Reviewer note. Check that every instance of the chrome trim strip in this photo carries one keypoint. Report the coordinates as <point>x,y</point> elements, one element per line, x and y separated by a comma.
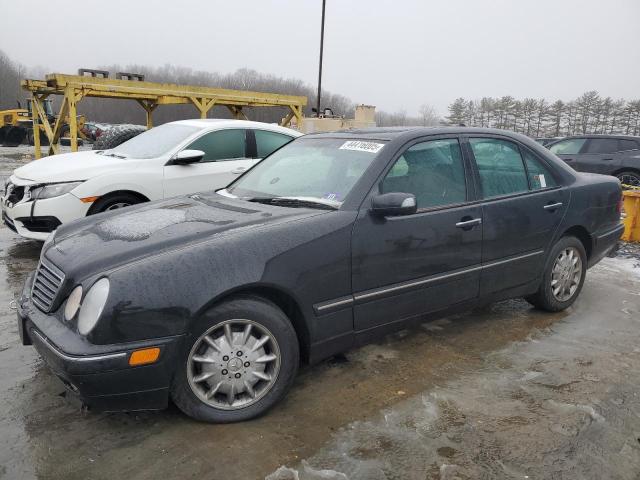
<point>424,281</point>
<point>319,308</point>
<point>322,307</point>
<point>76,358</point>
<point>520,257</point>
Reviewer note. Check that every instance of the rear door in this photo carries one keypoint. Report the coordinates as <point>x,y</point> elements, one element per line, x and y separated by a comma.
<point>599,155</point>
<point>408,265</point>
<point>522,206</point>
<point>225,157</point>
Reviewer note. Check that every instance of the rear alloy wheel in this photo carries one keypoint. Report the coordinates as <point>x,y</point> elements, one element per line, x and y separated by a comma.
<point>238,361</point>
<point>566,274</point>
<point>629,178</point>
<point>563,277</point>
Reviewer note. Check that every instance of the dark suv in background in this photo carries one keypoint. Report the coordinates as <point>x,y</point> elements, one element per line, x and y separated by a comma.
<point>617,155</point>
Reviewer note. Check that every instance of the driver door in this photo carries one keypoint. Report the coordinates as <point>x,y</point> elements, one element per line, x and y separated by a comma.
<point>409,265</point>
<point>225,157</point>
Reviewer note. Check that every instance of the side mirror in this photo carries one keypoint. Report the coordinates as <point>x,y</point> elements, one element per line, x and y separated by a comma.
<point>393,204</point>
<point>186,157</point>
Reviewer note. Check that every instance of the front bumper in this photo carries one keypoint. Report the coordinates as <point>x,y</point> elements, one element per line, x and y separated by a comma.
<point>99,374</point>
<point>35,219</point>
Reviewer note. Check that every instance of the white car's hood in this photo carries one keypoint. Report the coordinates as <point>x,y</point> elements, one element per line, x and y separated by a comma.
<point>69,167</point>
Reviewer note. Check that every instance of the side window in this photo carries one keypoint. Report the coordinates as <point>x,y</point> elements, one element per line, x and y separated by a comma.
<point>221,145</point>
<point>267,142</point>
<point>500,165</point>
<point>539,174</point>
<point>568,147</point>
<point>433,171</point>
<point>624,145</point>
<point>602,145</point>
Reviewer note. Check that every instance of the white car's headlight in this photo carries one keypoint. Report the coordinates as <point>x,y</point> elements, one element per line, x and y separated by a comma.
<point>92,306</point>
<point>73,303</point>
<point>53,190</point>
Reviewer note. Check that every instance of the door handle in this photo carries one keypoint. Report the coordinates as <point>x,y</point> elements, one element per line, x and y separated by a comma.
<point>607,159</point>
<point>469,223</point>
<point>553,206</point>
<point>239,170</point>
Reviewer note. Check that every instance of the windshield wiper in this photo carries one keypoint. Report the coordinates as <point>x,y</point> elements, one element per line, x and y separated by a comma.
<point>296,202</point>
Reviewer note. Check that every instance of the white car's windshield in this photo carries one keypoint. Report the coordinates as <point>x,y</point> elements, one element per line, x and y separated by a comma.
<point>322,169</point>
<point>154,142</point>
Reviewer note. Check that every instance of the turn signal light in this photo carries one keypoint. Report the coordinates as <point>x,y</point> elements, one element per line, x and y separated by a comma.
<point>144,356</point>
<point>89,199</point>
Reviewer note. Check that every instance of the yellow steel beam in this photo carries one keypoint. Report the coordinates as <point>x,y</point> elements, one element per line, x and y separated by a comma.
<point>114,88</point>
<point>37,105</point>
<point>35,117</point>
<point>149,107</point>
<point>149,95</point>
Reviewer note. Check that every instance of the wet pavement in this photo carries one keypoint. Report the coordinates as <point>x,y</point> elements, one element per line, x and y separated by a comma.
<point>501,392</point>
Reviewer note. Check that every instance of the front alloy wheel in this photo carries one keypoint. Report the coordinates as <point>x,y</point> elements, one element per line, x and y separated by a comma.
<point>233,364</point>
<point>237,361</point>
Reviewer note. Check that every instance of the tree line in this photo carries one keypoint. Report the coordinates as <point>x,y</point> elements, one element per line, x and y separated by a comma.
<point>590,113</point>
<point>128,111</point>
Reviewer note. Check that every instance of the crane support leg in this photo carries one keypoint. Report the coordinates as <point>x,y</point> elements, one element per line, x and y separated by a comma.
<point>149,107</point>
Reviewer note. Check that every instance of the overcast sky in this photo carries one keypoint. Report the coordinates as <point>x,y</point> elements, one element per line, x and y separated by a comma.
<point>393,54</point>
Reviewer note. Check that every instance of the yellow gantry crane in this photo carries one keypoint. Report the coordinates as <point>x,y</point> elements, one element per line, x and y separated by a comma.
<point>96,83</point>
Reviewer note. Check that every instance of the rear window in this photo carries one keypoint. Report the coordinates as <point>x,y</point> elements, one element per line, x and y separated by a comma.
<point>602,145</point>
<point>627,145</point>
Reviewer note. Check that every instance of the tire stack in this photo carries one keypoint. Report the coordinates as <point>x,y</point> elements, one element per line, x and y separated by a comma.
<point>116,135</point>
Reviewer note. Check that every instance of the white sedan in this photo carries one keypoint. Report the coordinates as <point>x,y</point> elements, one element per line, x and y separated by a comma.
<point>176,158</point>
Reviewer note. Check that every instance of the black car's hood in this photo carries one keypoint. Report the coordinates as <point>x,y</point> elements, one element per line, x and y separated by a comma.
<point>106,241</point>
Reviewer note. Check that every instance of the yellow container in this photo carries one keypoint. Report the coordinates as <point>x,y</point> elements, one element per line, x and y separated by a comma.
<point>632,220</point>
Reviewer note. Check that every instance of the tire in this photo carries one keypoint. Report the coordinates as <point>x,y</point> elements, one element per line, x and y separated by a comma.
<point>15,136</point>
<point>629,177</point>
<point>567,280</point>
<point>279,357</point>
<point>117,135</point>
<point>44,140</point>
<point>3,134</point>
<point>112,202</point>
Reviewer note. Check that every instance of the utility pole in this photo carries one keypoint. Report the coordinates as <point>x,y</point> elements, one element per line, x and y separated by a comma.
<point>320,68</point>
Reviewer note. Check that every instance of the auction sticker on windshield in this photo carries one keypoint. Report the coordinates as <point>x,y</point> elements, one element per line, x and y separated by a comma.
<point>361,146</point>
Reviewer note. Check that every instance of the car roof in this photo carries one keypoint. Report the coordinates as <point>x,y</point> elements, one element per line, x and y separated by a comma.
<point>220,123</point>
<point>600,135</point>
<point>391,133</point>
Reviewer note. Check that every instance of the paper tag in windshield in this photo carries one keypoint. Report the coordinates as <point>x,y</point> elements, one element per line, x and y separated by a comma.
<point>361,146</point>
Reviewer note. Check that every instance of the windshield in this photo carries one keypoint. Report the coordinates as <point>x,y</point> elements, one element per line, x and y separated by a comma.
<point>155,142</point>
<point>325,169</point>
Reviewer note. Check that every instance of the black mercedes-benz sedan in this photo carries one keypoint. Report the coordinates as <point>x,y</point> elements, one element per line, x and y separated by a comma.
<point>213,300</point>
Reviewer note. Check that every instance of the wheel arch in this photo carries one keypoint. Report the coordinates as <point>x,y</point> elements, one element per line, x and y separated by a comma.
<point>283,300</point>
<point>582,234</point>
<point>626,169</point>
<point>138,195</point>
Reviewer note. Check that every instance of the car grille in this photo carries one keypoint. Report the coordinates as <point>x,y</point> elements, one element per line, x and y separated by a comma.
<point>46,285</point>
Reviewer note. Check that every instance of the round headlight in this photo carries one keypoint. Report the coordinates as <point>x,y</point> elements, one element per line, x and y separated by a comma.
<point>73,303</point>
<point>92,306</point>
